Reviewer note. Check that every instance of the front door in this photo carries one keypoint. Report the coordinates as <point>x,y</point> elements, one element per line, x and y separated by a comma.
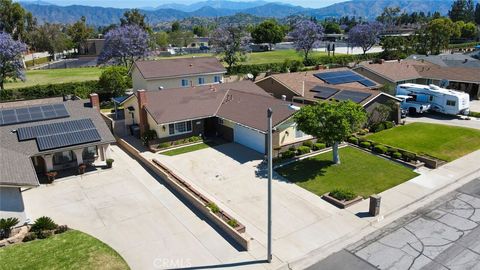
<point>211,127</point>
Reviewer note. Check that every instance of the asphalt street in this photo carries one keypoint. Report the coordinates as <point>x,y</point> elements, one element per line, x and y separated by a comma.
<point>443,235</point>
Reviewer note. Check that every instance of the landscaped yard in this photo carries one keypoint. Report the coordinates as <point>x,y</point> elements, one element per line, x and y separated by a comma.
<point>52,76</point>
<point>187,149</point>
<point>363,173</point>
<point>439,141</point>
<point>72,250</point>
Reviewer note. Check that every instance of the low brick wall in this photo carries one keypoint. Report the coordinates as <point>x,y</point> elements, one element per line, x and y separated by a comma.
<point>191,195</point>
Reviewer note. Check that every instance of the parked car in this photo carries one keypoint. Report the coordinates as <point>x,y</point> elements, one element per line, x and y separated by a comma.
<point>411,106</point>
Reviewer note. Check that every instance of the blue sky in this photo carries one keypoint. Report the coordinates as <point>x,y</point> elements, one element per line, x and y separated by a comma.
<point>154,3</point>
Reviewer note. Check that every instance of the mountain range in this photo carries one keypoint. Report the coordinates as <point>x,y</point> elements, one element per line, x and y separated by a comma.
<point>368,9</point>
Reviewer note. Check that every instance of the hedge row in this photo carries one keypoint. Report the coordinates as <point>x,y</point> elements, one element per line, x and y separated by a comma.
<point>463,45</point>
<point>383,149</point>
<point>81,89</point>
<point>294,65</point>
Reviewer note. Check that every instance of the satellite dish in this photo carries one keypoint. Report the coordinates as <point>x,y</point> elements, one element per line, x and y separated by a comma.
<point>250,76</point>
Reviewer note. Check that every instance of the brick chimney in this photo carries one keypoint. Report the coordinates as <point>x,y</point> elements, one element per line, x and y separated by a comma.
<point>95,101</point>
<point>142,101</point>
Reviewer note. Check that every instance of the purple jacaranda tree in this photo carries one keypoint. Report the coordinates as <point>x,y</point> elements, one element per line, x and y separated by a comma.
<point>306,35</point>
<point>365,35</point>
<point>229,41</point>
<point>11,64</point>
<point>124,45</point>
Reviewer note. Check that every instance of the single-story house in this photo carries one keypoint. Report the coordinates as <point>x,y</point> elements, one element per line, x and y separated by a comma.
<point>466,79</point>
<point>235,111</point>
<point>320,85</point>
<point>45,135</point>
<point>176,73</point>
<point>199,42</point>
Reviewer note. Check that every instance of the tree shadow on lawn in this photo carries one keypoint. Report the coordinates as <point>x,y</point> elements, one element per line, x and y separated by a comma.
<point>305,170</point>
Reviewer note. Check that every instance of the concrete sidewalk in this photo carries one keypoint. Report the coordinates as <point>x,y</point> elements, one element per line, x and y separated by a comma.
<point>397,202</point>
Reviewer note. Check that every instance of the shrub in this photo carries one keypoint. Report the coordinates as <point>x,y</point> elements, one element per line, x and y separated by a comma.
<point>362,139</point>
<point>81,89</point>
<point>44,234</point>
<point>302,150</point>
<point>61,229</point>
<point>378,127</point>
<point>194,139</point>
<point>343,194</point>
<point>319,146</point>
<point>380,149</point>
<point>233,223</point>
<point>29,237</point>
<point>213,207</point>
<point>114,81</point>
<point>42,224</point>
<point>6,225</point>
<point>308,144</point>
<point>388,125</point>
<point>408,156</point>
<point>288,154</point>
<point>365,144</point>
<point>353,140</point>
<point>148,136</point>
<point>390,151</point>
<point>397,155</point>
<point>164,145</point>
<point>474,114</point>
<point>109,162</point>
<point>292,148</point>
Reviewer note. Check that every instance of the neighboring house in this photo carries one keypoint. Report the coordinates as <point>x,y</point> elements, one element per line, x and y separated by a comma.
<point>44,135</point>
<point>235,111</point>
<point>92,47</point>
<point>199,43</point>
<point>176,73</point>
<point>466,79</point>
<point>308,88</point>
<point>448,60</point>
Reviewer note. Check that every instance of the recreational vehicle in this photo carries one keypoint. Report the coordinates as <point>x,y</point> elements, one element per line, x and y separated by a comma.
<point>440,99</point>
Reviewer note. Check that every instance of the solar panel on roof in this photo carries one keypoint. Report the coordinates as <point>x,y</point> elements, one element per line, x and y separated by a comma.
<point>33,113</point>
<point>345,76</point>
<point>323,92</point>
<point>61,134</point>
<point>354,96</point>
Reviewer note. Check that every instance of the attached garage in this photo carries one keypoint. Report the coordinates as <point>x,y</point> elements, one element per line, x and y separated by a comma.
<point>250,138</point>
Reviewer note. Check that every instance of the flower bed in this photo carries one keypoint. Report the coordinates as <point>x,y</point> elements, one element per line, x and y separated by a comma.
<point>337,198</point>
<point>156,146</point>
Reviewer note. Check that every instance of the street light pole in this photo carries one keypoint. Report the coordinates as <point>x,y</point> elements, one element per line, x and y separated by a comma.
<point>270,170</point>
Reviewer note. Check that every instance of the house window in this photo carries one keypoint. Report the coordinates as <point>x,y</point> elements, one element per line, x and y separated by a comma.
<point>180,128</point>
<point>217,79</point>
<point>201,80</point>
<point>299,133</point>
<point>451,102</point>
<point>184,83</point>
<point>89,152</point>
<point>63,157</point>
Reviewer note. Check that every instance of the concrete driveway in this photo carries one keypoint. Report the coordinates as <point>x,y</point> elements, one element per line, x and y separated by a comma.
<point>446,120</point>
<point>132,212</point>
<point>233,176</point>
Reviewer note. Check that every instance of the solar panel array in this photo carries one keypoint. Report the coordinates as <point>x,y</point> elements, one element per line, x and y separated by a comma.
<point>354,96</point>
<point>32,114</point>
<point>345,76</point>
<point>62,134</point>
<point>323,92</point>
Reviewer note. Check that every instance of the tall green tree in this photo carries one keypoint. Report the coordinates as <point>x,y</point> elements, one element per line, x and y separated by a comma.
<point>161,39</point>
<point>390,16</point>
<point>180,38</point>
<point>477,13</point>
<point>175,26</point>
<point>200,31</point>
<point>114,81</point>
<point>462,10</point>
<point>439,32</point>
<point>52,38</point>
<point>332,28</point>
<point>229,42</point>
<point>269,31</point>
<point>135,17</point>
<point>15,20</point>
<point>331,122</point>
<point>79,32</point>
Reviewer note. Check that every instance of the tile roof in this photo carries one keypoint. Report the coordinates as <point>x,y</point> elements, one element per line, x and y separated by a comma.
<point>166,68</point>
<point>242,102</point>
<point>13,165</point>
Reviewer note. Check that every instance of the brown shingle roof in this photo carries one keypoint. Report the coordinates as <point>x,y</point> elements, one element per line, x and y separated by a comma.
<point>461,74</point>
<point>165,68</point>
<point>396,71</point>
<point>242,102</point>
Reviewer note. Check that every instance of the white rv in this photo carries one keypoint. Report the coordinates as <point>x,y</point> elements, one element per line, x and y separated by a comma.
<point>440,99</point>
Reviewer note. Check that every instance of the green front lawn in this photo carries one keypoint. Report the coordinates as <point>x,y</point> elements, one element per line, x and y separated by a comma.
<point>440,141</point>
<point>363,173</point>
<point>70,250</point>
<point>276,57</point>
<point>187,149</point>
<point>52,76</point>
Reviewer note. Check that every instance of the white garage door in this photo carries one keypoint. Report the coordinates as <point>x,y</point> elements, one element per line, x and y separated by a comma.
<point>249,138</point>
